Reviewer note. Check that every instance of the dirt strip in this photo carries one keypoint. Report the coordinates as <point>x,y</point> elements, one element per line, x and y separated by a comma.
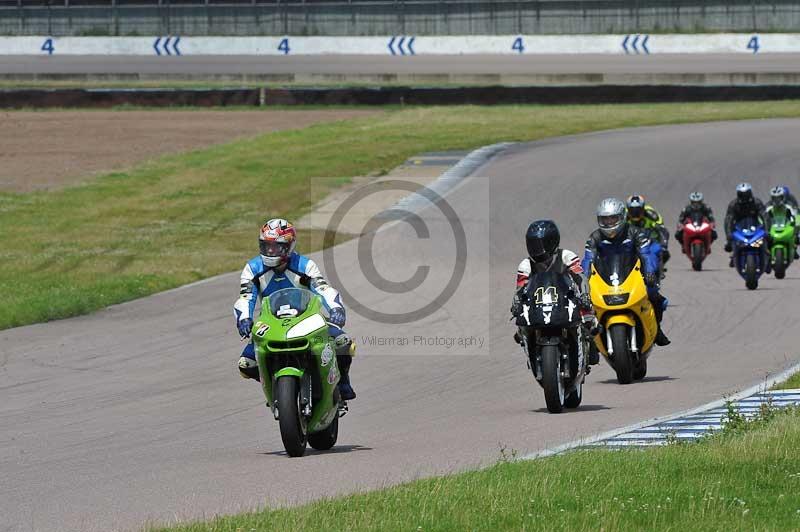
<point>41,149</point>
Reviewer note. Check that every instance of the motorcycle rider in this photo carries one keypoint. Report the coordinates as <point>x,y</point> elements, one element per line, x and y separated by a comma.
<point>745,205</point>
<point>778,203</point>
<point>542,240</point>
<point>614,235</point>
<point>641,214</point>
<point>279,266</point>
<point>696,206</point>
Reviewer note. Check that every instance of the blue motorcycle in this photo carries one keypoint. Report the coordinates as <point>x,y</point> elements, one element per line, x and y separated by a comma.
<point>750,250</point>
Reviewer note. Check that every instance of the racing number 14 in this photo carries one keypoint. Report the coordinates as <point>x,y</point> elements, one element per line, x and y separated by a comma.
<point>545,296</point>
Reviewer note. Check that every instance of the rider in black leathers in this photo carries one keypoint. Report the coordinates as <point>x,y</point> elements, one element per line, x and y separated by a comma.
<point>745,205</point>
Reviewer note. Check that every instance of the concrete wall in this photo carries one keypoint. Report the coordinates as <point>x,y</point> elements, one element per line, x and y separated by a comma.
<point>401,17</point>
<point>641,44</point>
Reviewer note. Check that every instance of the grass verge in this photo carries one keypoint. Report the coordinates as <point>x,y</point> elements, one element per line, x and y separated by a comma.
<point>186,217</point>
<point>792,383</point>
<point>746,478</point>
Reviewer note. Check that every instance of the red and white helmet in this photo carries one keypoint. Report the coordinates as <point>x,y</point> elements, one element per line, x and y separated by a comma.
<point>276,242</point>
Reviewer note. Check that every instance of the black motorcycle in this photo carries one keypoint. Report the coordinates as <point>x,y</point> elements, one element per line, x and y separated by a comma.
<point>554,339</point>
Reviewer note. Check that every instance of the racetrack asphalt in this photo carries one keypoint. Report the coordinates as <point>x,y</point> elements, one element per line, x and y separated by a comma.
<point>136,414</point>
<point>427,64</point>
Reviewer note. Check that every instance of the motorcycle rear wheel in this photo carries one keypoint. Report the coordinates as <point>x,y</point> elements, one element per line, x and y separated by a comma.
<point>750,279</point>
<point>623,363</point>
<point>292,432</point>
<point>779,264</point>
<point>573,400</point>
<point>698,252</point>
<point>640,371</point>
<point>552,382</point>
<point>325,439</point>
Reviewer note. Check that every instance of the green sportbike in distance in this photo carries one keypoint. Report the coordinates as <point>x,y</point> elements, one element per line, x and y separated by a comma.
<point>297,363</point>
<point>782,241</point>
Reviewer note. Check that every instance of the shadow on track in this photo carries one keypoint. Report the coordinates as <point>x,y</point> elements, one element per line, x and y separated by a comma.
<point>337,449</point>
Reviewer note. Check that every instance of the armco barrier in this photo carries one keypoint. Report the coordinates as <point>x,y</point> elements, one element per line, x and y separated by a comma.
<point>19,98</point>
<point>41,98</point>
<point>404,45</point>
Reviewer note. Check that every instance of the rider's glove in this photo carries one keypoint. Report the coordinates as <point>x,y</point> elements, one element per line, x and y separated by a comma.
<point>585,302</point>
<point>728,246</point>
<point>516,305</point>
<point>713,235</point>
<point>678,236</point>
<point>337,316</point>
<point>651,278</point>
<point>589,320</point>
<point>245,326</point>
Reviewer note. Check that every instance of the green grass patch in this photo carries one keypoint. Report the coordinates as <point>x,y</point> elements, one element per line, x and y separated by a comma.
<point>741,480</point>
<point>792,383</point>
<point>187,217</point>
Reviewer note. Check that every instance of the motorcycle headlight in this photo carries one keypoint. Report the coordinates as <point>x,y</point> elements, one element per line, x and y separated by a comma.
<point>615,299</point>
<point>308,325</point>
<point>758,243</point>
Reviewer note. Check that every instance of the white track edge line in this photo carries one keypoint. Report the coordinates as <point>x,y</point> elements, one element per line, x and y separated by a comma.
<point>759,388</point>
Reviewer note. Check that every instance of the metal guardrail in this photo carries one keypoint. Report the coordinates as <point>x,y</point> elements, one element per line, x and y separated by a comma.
<point>388,17</point>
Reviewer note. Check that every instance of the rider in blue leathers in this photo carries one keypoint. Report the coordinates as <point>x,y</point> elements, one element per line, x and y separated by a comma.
<point>278,266</point>
<point>616,235</point>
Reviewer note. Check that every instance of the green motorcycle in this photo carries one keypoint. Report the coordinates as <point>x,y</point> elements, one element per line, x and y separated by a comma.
<point>297,363</point>
<point>782,238</point>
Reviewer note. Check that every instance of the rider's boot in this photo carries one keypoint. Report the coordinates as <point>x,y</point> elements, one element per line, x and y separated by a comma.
<point>248,368</point>
<point>344,358</point>
<point>345,389</point>
<point>730,264</point>
<point>661,338</point>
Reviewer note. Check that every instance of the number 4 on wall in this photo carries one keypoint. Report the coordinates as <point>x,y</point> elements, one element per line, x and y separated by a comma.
<point>753,44</point>
<point>48,46</point>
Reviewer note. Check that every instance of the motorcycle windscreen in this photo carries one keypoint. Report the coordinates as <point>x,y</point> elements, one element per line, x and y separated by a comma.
<point>615,267</point>
<point>747,227</point>
<point>698,219</point>
<point>551,301</point>
<point>289,302</point>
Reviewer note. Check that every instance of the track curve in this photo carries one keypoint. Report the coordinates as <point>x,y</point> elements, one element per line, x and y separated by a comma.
<point>136,413</point>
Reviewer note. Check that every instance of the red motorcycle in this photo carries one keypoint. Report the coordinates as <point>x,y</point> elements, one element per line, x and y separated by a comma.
<point>697,237</point>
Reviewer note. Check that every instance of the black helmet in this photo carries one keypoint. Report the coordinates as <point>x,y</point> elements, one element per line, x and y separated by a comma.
<point>542,240</point>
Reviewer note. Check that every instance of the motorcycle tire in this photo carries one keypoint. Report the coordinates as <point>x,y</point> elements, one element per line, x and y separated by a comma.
<point>698,252</point>
<point>750,279</point>
<point>640,371</point>
<point>325,439</point>
<point>552,382</point>
<point>292,432</point>
<point>573,400</point>
<point>623,360</point>
<point>779,264</point>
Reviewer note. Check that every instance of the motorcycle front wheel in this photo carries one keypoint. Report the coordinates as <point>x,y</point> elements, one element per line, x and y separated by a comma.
<point>623,363</point>
<point>750,279</point>
<point>698,250</point>
<point>779,264</point>
<point>292,431</point>
<point>552,382</point>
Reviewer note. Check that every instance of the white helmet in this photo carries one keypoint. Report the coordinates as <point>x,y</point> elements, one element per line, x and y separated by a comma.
<point>778,196</point>
<point>611,217</point>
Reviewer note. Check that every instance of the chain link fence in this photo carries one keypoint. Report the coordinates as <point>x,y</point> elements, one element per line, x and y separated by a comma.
<point>420,17</point>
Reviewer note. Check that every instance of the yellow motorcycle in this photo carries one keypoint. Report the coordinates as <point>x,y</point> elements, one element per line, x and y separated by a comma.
<point>619,296</point>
